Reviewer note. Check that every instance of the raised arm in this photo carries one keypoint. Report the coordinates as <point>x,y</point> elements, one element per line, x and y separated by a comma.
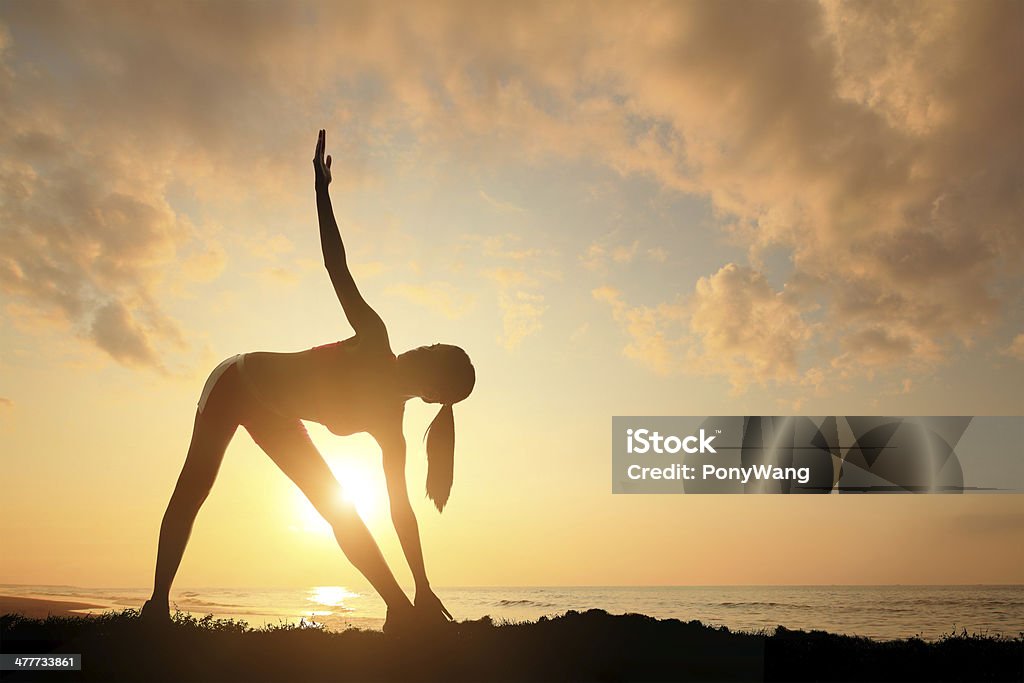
<point>364,320</point>
<point>392,445</point>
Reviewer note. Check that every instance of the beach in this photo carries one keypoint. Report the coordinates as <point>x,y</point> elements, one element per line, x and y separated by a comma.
<point>40,609</point>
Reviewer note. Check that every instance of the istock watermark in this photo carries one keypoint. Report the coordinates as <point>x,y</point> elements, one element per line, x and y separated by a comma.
<point>832,454</point>
<point>645,441</point>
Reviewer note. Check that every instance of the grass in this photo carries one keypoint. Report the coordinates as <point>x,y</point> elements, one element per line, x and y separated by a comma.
<point>590,645</point>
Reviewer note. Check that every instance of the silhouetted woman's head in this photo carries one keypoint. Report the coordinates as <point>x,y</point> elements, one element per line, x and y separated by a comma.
<point>440,374</point>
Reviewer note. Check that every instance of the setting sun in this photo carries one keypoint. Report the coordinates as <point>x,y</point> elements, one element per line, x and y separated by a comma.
<point>359,487</point>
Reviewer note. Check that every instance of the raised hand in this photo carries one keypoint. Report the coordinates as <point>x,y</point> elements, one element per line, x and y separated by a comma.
<point>321,166</point>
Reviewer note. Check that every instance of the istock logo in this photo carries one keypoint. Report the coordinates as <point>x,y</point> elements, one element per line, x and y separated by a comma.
<point>645,441</point>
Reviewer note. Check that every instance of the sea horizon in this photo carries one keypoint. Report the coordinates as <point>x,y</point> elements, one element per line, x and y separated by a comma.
<point>877,611</point>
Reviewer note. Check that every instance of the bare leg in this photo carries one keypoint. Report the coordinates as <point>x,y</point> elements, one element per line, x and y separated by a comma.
<point>289,446</point>
<point>211,434</point>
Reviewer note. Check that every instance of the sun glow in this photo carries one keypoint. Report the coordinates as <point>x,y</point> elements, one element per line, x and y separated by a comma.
<point>358,487</point>
<point>331,596</point>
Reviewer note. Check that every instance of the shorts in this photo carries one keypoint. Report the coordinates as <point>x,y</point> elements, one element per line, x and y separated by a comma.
<point>247,393</point>
<point>214,376</point>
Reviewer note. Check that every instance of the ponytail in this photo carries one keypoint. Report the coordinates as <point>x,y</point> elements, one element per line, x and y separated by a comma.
<point>441,456</point>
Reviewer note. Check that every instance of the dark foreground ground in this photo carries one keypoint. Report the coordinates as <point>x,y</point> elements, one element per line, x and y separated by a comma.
<point>589,646</point>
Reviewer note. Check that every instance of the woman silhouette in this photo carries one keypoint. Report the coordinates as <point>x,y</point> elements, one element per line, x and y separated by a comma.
<point>355,385</point>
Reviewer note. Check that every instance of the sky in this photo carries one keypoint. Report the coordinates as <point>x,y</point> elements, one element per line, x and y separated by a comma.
<point>698,208</point>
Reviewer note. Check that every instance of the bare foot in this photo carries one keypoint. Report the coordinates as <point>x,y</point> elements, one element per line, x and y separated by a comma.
<point>156,613</point>
<point>400,621</point>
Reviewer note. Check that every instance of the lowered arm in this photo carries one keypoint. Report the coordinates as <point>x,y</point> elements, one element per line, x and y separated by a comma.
<point>402,514</point>
<point>404,518</point>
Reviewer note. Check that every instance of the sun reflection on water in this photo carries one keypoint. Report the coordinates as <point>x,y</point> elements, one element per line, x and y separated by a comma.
<point>331,596</point>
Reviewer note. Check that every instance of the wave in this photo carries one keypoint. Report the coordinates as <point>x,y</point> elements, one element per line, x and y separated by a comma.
<point>785,605</point>
<point>204,603</point>
<point>522,603</point>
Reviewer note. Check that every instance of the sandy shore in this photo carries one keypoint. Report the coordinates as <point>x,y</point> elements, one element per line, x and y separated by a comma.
<point>40,609</point>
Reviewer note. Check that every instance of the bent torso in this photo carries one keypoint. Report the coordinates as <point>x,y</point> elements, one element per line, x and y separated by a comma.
<point>343,386</point>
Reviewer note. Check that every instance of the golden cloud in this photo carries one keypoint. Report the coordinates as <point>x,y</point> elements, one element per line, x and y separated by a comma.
<point>879,144</point>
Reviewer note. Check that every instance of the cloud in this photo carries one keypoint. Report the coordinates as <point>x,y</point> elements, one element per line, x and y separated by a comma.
<point>878,144</point>
<point>103,113</point>
<point>595,257</point>
<point>521,316</point>
<point>657,254</point>
<point>205,264</point>
<point>519,275</point>
<point>86,232</point>
<point>78,247</point>
<point>733,324</point>
<point>362,270</point>
<point>873,142</point>
<point>440,297</point>
<point>501,205</point>
<point>278,275</point>
<point>505,247</point>
<point>521,302</point>
<point>507,277</point>
<point>6,403</point>
<point>655,335</point>
<point>898,204</point>
<point>115,331</point>
<point>269,248</point>
<point>29,319</point>
<point>601,254</point>
<point>1016,347</point>
<point>746,330</point>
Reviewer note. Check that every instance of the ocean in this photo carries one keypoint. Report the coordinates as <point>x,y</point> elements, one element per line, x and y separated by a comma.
<point>878,612</point>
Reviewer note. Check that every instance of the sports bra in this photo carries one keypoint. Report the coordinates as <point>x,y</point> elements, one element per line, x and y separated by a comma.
<point>339,384</point>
